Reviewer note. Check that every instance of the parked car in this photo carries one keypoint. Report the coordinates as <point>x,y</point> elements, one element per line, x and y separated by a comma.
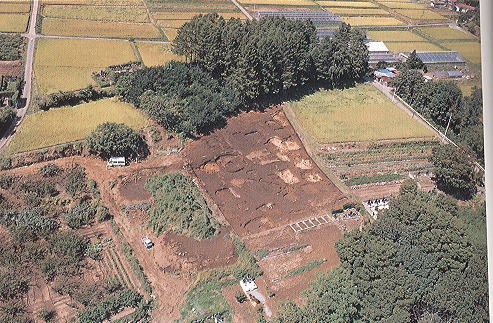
<point>147,242</point>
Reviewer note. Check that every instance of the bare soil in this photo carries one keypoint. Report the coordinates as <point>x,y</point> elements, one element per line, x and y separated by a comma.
<point>259,175</point>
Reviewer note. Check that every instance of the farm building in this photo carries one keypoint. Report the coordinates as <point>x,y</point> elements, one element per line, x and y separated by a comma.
<point>464,8</point>
<point>453,74</point>
<point>384,76</point>
<point>439,58</point>
<point>378,52</point>
<point>317,17</point>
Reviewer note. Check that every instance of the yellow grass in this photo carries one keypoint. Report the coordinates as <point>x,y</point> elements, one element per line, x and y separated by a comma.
<point>372,21</point>
<point>170,33</point>
<point>61,125</point>
<point>359,11</point>
<point>95,13</point>
<point>68,64</point>
<point>466,87</point>
<point>355,4</point>
<point>171,23</point>
<point>445,33</point>
<point>95,2</point>
<point>420,14</point>
<point>403,5</point>
<point>402,47</point>
<point>13,23</point>
<point>394,35</point>
<point>86,28</point>
<point>190,15</point>
<point>470,50</point>
<point>157,54</point>
<point>280,2</point>
<point>361,113</point>
<point>14,7</point>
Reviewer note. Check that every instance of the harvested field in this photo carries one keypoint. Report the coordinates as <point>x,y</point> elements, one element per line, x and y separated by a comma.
<point>349,4</point>
<point>68,64</point>
<point>175,24</point>
<point>86,28</point>
<point>403,5</point>
<point>470,50</point>
<point>157,54</point>
<point>95,2</point>
<point>357,114</point>
<point>359,12</point>
<point>13,23</point>
<point>170,33</point>
<point>113,14</point>
<point>14,7</point>
<point>445,33</point>
<point>420,14</point>
<point>394,36</point>
<point>401,47</point>
<point>281,2</point>
<point>259,175</point>
<point>61,125</point>
<point>370,21</point>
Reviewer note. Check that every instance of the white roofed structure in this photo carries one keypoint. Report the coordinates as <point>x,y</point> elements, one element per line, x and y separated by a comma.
<point>376,47</point>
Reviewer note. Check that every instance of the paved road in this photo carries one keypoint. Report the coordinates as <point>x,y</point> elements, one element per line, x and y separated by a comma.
<point>26,94</point>
<point>245,12</point>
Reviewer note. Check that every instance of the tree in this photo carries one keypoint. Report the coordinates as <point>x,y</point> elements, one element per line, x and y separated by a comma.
<point>7,115</point>
<point>12,285</point>
<point>445,99</point>
<point>409,85</point>
<point>454,171</point>
<point>112,139</point>
<point>413,62</point>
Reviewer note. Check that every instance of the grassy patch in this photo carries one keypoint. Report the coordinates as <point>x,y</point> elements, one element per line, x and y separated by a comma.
<point>470,50</point>
<point>420,14</point>
<point>87,28</point>
<point>13,23</point>
<point>401,47</point>
<point>372,21</point>
<point>157,54</point>
<point>14,7</point>
<point>395,35</point>
<point>302,269</point>
<point>445,33</point>
<point>97,13</point>
<point>357,114</point>
<point>57,126</point>
<point>378,178</point>
<point>68,64</point>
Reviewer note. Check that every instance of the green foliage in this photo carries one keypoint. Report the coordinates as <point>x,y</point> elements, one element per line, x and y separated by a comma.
<point>12,285</point>
<point>80,215</point>
<point>377,178</point>
<point>75,183</point>
<point>6,181</point>
<point>413,62</point>
<point>307,267</point>
<point>245,266</point>
<point>127,251</point>
<point>47,315</point>
<point>72,98</point>
<point>409,186</point>
<point>454,171</point>
<point>7,115</point>
<point>116,140</point>
<point>179,207</point>
<point>49,170</point>
<point>240,297</point>
<point>10,47</point>
<point>93,250</point>
<point>13,311</point>
<point>31,224</point>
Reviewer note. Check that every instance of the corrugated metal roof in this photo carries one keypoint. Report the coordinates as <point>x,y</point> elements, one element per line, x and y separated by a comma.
<point>376,46</point>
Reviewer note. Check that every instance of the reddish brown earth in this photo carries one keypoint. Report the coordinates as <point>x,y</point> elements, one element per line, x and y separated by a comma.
<point>259,175</point>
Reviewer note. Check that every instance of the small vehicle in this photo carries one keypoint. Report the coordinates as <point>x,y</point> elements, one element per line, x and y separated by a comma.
<point>116,162</point>
<point>147,242</point>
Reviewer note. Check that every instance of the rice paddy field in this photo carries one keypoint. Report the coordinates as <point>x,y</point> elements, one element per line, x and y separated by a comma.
<point>470,50</point>
<point>403,5</point>
<point>86,28</point>
<point>171,33</point>
<point>13,23</point>
<point>402,47</point>
<point>190,15</point>
<point>372,21</point>
<point>395,36</point>
<point>14,7</point>
<point>280,2</point>
<point>350,4</point>
<point>418,14</point>
<point>68,64</point>
<point>361,113</point>
<point>359,12</point>
<point>61,125</point>
<point>113,14</point>
<point>95,2</point>
<point>156,54</point>
<point>445,33</point>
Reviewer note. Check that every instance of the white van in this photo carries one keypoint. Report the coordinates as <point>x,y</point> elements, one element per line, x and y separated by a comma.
<point>116,162</point>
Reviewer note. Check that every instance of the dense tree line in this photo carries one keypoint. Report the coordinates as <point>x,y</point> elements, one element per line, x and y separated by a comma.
<point>233,65</point>
<point>10,47</point>
<point>444,104</point>
<point>7,115</point>
<point>72,98</point>
<point>423,260</point>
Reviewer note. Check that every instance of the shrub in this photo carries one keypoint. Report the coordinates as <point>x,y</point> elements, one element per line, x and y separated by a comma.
<point>76,181</point>
<point>68,246</point>
<point>7,115</point>
<point>39,189</point>
<point>81,214</point>
<point>240,297</point>
<point>47,315</point>
<point>113,139</point>
<point>50,170</point>
<point>12,285</point>
<point>6,181</point>
<point>32,224</point>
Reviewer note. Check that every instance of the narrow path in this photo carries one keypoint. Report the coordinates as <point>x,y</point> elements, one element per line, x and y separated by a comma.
<point>101,38</point>
<point>245,12</point>
<point>28,74</point>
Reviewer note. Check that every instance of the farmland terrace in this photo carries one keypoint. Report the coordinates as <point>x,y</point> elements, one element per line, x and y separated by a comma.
<point>259,174</point>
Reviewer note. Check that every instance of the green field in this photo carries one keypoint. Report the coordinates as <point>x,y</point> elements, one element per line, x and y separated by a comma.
<point>97,13</point>
<point>156,54</point>
<point>470,50</point>
<point>445,33</point>
<point>68,64</point>
<point>402,47</point>
<point>87,28</point>
<point>13,23</point>
<point>61,125</point>
<point>394,35</point>
<point>361,113</point>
